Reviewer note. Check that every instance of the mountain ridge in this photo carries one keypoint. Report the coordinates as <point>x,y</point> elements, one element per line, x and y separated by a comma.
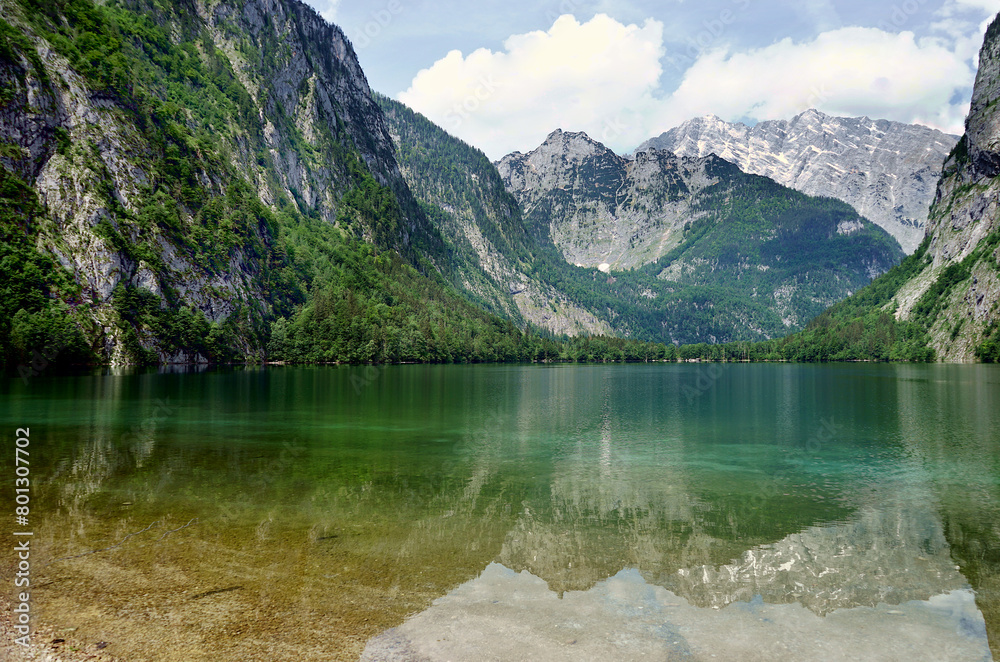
<point>466,198</point>
<point>192,182</point>
<point>660,224</point>
<point>886,170</point>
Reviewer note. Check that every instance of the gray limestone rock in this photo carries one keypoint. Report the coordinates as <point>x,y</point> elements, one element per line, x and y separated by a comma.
<point>963,224</point>
<point>603,210</point>
<point>886,170</point>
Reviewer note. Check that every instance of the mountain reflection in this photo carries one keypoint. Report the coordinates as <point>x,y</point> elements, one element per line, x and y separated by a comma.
<point>503,615</point>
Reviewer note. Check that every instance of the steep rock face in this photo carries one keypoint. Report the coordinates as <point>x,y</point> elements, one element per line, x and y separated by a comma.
<point>957,295</point>
<point>601,209</point>
<point>725,255</point>
<point>132,195</point>
<point>303,74</point>
<point>886,170</point>
<point>494,254</point>
<point>102,165</point>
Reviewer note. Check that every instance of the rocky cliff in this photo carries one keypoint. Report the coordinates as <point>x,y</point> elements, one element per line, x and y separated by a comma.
<point>886,170</point>
<point>161,140</point>
<point>771,257</point>
<point>601,209</point>
<point>956,294</point>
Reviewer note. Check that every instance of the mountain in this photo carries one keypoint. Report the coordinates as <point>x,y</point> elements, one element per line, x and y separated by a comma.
<point>955,294</point>
<point>493,256</point>
<point>190,182</point>
<point>886,170</point>
<point>710,252</point>
<point>602,209</point>
<point>943,301</point>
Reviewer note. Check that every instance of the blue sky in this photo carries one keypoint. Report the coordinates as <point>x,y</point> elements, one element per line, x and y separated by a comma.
<point>503,75</point>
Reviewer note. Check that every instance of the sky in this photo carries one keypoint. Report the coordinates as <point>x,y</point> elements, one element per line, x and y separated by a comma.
<point>503,75</point>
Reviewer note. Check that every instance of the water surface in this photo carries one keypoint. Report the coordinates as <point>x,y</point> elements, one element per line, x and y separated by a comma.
<point>684,511</point>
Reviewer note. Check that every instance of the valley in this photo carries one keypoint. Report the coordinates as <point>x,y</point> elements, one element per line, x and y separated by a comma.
<point>173,203</point>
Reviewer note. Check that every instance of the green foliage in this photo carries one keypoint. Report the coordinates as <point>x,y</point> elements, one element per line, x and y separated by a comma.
<point>856,329</point>
<point>176,330</point>
<point>884,288</point>
<point>988,351</point>
<point>447,172</point>
<point>934,299</point>
<point>34,317</point>
<point>369,205</point>
<point>960,152</point>
<point>366,306</point>
<point>14,45</point>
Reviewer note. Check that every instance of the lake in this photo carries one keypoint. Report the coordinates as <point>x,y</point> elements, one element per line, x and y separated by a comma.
<point>613,512</point>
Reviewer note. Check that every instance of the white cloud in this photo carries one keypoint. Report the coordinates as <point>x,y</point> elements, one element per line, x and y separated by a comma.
<point>604,78</point>
<point>850,71</point>
<point>326,8</point>
<point>963,23</point>
<point>990,6</point>
<point>573,76</point>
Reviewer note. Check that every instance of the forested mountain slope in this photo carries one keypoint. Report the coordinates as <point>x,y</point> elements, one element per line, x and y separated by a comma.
<point>177,176</point>
<point>187,181</point>
<point>493,255</point>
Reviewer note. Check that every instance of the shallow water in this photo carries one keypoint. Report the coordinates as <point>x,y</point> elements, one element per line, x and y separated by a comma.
<point>741,511</point>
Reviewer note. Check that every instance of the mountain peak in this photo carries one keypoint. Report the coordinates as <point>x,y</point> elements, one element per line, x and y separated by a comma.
<point>812,112</point>
<point>885,171</point>
<point>573,145</point>
<point>569,136</point>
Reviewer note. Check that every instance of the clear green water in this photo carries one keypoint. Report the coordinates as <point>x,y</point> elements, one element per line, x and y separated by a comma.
<point>322,506</point>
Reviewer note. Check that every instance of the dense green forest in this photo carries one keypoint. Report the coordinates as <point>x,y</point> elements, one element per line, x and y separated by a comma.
<point>860,328</point>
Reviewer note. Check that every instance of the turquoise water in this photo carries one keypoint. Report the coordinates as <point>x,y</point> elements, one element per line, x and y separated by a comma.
<point>299,513</point>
